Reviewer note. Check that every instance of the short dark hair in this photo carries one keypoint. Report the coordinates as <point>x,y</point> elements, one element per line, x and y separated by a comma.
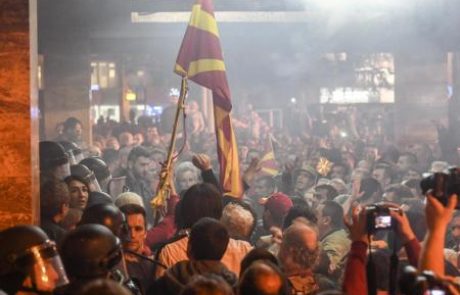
<point>53,194</point>
<point>334,211</point>
<point>386,169</point>
<point>401,192</point>
<point>369,186</point>
<point>132,209</point>
<point>110,156</point>
<point>71,178</point>
<point>299,211</point>
<point>70,123</point>
<point>331,191</point>
<point>200,200</point>
<point>208,239</point>
<point>137,152</point>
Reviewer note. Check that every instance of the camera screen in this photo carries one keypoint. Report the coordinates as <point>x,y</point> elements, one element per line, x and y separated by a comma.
<point>382,221</point>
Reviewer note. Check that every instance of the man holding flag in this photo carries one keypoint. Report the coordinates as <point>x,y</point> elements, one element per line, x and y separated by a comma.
<point>200,59</point>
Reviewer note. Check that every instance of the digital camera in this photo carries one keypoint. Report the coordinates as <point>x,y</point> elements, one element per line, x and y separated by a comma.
<point>443,185</point>
<point>426,283</point>
<point>379,218</point>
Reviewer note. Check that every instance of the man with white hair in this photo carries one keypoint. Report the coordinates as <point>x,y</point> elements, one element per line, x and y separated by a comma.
<point>186,175</point>
<point>239,219</point>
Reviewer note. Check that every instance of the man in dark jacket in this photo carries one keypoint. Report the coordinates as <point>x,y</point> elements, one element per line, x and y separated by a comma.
<point>137,177</point>
<point>207,244</point>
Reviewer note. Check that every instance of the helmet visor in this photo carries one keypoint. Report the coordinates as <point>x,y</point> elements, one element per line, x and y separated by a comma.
<point>78,156</point>
<point>93,183</point>
<point>46,271</point>
<point>72,159</point>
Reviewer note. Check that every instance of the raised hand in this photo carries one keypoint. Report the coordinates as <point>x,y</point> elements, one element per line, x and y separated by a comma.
<point>357,224</point>
<point>202,162</point>
<point>438,216</point>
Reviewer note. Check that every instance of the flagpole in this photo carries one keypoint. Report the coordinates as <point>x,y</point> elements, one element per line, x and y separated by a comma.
<point>164,188</point>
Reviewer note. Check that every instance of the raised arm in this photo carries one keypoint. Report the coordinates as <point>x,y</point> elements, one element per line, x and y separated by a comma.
<point>437,219</point>
<point>355,281</point>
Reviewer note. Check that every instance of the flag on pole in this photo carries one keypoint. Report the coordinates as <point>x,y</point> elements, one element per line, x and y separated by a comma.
<point>267,164</point>
<point>200,59</point>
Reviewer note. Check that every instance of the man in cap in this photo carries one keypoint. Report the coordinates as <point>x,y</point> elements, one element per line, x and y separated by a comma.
<point>275,209</point>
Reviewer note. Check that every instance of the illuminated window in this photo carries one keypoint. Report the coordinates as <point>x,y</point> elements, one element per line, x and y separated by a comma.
<point>103,75</point>
<point>40,77</point>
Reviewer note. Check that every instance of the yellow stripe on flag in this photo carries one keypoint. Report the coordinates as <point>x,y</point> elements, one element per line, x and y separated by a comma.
<point>203,20</point>
<point>231,176</point>
<point>270,171</point>
<point>205,65</point>
<point>268,156</point>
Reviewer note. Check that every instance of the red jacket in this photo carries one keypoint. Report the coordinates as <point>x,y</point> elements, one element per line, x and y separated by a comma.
<point>166,229</point>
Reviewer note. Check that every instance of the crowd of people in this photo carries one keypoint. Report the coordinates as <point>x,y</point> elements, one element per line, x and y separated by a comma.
<point>330,206</point>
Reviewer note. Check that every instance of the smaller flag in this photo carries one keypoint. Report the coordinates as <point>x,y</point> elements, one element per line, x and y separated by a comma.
<point>267,164</point>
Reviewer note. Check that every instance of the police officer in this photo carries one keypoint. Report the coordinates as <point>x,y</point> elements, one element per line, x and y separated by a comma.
<point>89,252</point>
<point>100,170</point>
<point>54,161</point>
<point>87,175</point>
<point>73,151</point>
<point>29,261</point>
<point>112,218</point>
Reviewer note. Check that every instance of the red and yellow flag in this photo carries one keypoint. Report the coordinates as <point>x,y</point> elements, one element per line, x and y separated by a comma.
<point>200,59</point>
<point>267,164</point>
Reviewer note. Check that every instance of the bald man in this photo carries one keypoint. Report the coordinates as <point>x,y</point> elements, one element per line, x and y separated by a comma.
<point>299,253</point>
<point>263,278</point>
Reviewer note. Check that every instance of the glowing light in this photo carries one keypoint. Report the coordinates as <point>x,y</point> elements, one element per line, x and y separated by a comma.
<point>324,166</point>
<point>130,95</point>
